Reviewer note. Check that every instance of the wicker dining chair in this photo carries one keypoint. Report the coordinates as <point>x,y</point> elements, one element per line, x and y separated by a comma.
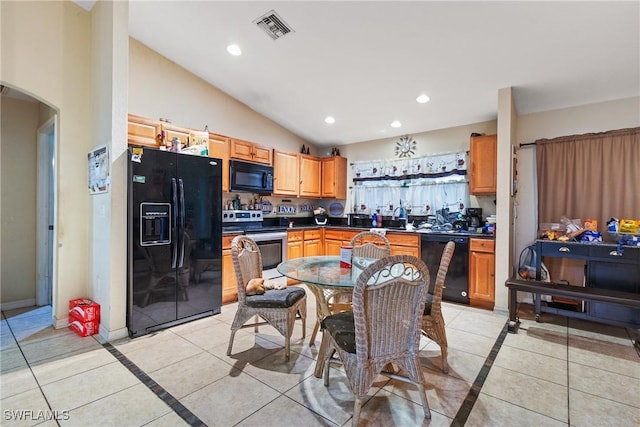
<point>279,308</point>
<point>383,328</point>
<point>365,244</point>
<point>433,321</point>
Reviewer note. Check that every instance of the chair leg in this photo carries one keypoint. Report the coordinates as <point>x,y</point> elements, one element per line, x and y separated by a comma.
<point>233,334</point>
<point>256,324</point>
<point>425,402</point>
<point>304,324</point>
<point>445,364</point>
<point>312,340</point>
<point>357,405</point>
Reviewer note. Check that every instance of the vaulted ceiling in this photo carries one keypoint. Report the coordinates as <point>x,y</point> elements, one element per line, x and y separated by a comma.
<point>364,63</point>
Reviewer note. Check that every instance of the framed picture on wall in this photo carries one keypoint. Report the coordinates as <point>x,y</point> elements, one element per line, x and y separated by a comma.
<point>99,172</point>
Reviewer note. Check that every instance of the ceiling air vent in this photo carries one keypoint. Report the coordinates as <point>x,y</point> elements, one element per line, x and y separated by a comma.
<point>272,24</point>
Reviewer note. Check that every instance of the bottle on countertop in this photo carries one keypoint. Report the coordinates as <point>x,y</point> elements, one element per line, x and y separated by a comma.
<point>379,218</point>
<point>374,220</point>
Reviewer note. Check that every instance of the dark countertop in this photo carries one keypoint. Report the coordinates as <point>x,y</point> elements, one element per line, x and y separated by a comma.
<point>272,228</point>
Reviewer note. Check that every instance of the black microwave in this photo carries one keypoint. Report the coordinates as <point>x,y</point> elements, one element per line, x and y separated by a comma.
<point>252,177</point>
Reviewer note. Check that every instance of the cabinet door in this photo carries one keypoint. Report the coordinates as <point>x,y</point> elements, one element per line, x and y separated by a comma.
<point>285,174</point>
<point>262,154</point>
<point>219,147</point>
<point>295,250</point>
<point>482,277</point>
<point>332,247</point>
<point>171,131</point>
<point>143,131</point>
<point>310,173</point>
<point>483,164</point>
<point>229,286</point>
<point>239,149</point>
<point>334,177</point>
<point>312,247</point>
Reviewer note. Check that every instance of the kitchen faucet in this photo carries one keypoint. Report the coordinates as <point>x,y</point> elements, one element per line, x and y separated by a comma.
<point>403,218</point>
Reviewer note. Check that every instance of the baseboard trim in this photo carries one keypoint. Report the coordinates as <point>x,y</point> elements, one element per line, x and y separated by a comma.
<point>109,336</point>
<point>18,304</point>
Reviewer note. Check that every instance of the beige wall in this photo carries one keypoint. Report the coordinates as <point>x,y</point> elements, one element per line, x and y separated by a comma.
<point>52,64</point>
<point>19,160</point>
<point>159,88</point>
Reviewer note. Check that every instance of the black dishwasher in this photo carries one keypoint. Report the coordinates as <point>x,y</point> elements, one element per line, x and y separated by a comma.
<point>457,281</point>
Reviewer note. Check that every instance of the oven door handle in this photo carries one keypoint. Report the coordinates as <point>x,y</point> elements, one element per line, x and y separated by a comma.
<point>261,237</point>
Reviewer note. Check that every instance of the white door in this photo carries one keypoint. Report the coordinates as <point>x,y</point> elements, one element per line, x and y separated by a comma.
<point>46,220</point>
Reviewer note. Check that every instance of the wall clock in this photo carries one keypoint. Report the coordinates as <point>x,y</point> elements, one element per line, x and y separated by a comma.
<point>405,147</point>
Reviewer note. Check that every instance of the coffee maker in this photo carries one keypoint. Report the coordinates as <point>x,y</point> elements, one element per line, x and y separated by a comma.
<point>474,218</point>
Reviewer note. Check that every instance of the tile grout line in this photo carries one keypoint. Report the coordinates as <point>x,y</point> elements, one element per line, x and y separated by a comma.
<point>465,409</point>
<point>156,388</point>
<point>44,396</point>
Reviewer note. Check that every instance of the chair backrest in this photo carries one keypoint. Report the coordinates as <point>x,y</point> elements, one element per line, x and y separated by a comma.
<point>368,244</point>
<point>445,259</point>
<point>388,303</point>
<point>247,263</point>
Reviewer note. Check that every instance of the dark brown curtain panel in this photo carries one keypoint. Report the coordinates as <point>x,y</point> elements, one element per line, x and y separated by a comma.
<point>593,176</point>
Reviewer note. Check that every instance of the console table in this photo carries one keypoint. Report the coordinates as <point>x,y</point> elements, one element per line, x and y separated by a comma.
<point>608,271</point>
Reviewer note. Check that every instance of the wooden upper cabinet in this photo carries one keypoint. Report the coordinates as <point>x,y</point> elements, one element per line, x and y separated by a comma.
<point>483,164</point>
<point>142,131</point>
<point>246,150</point>
<point>286,180</point>
<point>310,176</point>
<point>171,131</point>
<point>334,177</point>
<point>219,147</point>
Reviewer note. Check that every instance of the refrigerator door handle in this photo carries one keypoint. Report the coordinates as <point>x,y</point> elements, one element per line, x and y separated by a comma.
<point>182,228</point>
<point>174,207</point>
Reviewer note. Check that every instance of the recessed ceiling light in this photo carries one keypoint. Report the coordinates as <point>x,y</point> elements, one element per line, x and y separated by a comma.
<point>396,124</point>
<point>422,99</point>
<point>234,50</point>
<point>330,120</point>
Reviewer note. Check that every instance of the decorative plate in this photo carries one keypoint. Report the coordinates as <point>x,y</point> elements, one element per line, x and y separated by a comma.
<point>336,208</point>
<point>267,207</point>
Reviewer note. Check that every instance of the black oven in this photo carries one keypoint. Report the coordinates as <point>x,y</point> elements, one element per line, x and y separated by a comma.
<point>253,177</point>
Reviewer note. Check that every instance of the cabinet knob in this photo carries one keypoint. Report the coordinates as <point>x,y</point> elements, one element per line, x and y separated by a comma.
<point>615,253</point>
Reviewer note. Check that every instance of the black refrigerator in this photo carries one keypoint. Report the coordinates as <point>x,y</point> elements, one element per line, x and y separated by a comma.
<point>174,252</point>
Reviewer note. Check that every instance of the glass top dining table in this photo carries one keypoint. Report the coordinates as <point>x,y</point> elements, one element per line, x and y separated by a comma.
<point>323,270</point>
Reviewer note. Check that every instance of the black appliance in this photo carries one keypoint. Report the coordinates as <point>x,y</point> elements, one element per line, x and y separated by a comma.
<point>457,280</point>
<point>252,177</point>
<point>474,218</point>
<point>174,229</point>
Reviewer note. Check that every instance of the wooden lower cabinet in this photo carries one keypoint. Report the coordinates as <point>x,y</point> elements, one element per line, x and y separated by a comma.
<point>229,286</point>
<point>334,239</point>
<point>295,244</point>
<point>313,242</point>
<point>404,244</point>
<point>482,289</point>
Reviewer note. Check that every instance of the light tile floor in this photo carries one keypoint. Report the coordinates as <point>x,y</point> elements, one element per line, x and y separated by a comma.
<point>557,372</point>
